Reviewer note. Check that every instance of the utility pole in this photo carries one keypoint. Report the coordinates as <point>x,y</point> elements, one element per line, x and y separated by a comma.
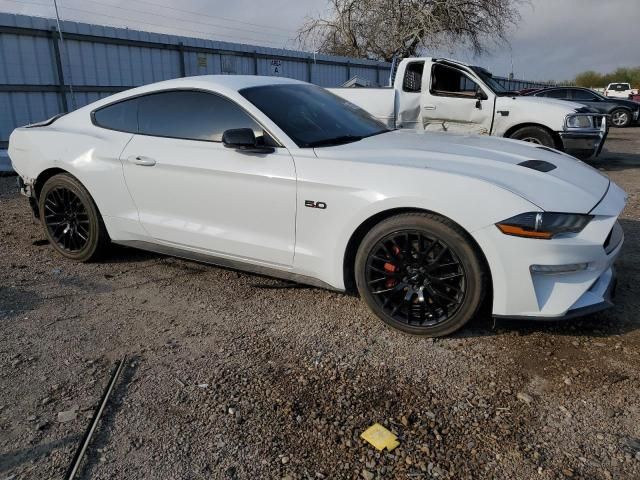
<point>64,53</point>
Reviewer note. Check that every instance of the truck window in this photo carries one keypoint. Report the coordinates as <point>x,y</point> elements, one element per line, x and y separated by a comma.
<point>413,77</point>
<point>619,87</point>
<point>451,82</point>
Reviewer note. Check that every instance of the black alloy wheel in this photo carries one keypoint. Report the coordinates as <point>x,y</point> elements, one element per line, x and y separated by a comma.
<point>66,219</point>
<point>71,219</point>
<point>421,274</point>
<point>415,278</point>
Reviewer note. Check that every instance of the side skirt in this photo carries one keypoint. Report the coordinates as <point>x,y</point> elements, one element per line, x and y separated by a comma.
<point>226,263</point>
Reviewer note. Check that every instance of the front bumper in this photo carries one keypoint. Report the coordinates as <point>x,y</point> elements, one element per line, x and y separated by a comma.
<point>599,297</point>
<point>520,291</point>
<point>586,143</point>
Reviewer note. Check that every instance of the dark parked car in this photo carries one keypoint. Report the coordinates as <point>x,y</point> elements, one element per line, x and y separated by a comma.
<point>623,112</point>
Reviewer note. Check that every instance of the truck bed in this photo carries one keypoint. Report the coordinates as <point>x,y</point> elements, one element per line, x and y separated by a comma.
<point>379,102</point>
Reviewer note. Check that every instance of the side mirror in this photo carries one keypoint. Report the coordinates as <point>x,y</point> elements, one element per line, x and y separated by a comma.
<point>245,140</point>
<point>480,95</point>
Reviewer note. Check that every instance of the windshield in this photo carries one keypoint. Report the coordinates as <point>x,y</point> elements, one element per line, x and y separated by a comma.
<point>311,116</point>
<point>491,82</point>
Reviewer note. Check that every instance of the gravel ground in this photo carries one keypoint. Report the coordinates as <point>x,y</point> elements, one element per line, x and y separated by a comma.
<point>229,376</point>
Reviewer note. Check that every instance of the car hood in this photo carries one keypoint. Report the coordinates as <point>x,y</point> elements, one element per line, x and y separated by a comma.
<point>572,187</point>
<point>565,106</point>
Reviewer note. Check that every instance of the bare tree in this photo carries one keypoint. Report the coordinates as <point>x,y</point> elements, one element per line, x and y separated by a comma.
<point>382,29</point>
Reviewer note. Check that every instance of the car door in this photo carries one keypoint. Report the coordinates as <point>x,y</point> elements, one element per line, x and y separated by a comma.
<point>193,193</point>
<point>589,99</point>
<point>453,101</point>
<point>558,93</point>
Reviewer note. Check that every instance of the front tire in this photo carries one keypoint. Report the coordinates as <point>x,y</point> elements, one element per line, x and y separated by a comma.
<point>620,118</point>
<point>420,273</point>
<point>534,134</point>
<point>71,220</point>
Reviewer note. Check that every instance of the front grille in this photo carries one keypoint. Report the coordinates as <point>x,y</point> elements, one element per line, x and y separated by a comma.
<point>597,121</point>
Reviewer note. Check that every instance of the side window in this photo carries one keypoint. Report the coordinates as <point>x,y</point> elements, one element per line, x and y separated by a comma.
<point>451,82</point>
<point>191,116</point>
<point>413,77</point>
<point>118,116</point>
<point>560,93</point>
<point>583,95</point>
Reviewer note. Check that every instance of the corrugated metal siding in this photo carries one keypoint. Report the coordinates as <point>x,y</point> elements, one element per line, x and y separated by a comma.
<point>28,59</point>
<point>98,65</point>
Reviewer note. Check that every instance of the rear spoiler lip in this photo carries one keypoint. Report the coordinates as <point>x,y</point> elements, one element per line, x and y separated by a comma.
<point>46,122</point>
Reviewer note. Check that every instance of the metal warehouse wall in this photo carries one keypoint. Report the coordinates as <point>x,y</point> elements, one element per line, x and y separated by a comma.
<point>34,74</point>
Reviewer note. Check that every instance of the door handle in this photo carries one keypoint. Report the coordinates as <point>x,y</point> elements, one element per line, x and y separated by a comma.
<point>429,107</point>
<point>143,161</point>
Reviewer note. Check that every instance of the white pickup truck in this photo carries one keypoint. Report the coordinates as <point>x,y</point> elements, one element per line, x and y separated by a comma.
<point>437,94</point>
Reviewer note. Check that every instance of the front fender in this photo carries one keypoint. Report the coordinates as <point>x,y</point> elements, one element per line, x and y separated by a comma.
<point>322,235</point>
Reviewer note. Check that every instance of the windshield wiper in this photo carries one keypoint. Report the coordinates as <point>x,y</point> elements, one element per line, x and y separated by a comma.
<point>327,142</point>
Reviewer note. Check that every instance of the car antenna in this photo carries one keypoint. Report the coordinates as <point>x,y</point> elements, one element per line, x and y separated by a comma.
<point>64,53</point>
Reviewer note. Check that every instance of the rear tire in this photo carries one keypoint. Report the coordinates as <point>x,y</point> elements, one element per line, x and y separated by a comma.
<point>533,134</point>
<point>421,274</point>
<point>71,220</point>
<point>620,118</point>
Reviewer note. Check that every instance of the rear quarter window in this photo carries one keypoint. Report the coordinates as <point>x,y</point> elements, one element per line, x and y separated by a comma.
<point>122,116</point>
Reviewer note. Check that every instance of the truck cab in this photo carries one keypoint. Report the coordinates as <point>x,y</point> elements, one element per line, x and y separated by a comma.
<point>435,94</point>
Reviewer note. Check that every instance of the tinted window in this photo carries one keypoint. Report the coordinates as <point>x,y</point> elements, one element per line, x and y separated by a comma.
<point>619,87</point>
<point>413,77</point>
<point>451,81</point>
<point>583,95</point>
<point>191,115</point>
<point>311,116</point>
<point>560,93</point>
<point>119,116</point>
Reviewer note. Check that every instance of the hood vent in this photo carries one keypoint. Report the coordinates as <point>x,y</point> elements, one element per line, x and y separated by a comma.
<point>539,165</point>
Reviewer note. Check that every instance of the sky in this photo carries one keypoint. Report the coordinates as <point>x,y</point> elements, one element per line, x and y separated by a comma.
<point>555,39</point>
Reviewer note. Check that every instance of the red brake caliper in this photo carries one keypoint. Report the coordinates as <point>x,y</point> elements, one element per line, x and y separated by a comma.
<point>391,268</point>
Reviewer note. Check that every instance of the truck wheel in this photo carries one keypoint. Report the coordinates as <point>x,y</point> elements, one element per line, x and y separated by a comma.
<point>534,134</point>
<point>420,273</point>
<point>620,118</point>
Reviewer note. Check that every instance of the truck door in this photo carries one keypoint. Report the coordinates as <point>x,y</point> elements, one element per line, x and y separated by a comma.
<point>453,101</point>
<point>410,96</point>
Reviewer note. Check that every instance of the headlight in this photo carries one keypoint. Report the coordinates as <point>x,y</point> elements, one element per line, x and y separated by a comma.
<point>544,225</point>
<point>579,121</point>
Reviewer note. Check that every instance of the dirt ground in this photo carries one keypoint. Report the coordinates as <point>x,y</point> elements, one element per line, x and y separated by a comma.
<point>229,376</point>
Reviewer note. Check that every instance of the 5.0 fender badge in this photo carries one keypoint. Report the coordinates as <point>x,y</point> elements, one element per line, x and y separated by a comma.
<point>314,204</point>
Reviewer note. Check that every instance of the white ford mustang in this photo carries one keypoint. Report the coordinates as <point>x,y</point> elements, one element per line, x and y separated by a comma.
<point>281,177</point>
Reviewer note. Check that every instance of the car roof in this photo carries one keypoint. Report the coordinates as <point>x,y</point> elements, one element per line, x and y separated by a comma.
<point>547,89</point>
<point>223,84</point>
<point>232,82</point>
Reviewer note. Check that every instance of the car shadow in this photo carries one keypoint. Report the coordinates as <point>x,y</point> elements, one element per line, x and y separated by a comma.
<point>122,254</point>
<point>15,458</point>
<point>618,320</point>
<point>615,162</point>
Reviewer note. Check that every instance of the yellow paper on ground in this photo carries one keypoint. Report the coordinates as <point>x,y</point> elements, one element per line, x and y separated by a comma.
<point>380,437</point>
